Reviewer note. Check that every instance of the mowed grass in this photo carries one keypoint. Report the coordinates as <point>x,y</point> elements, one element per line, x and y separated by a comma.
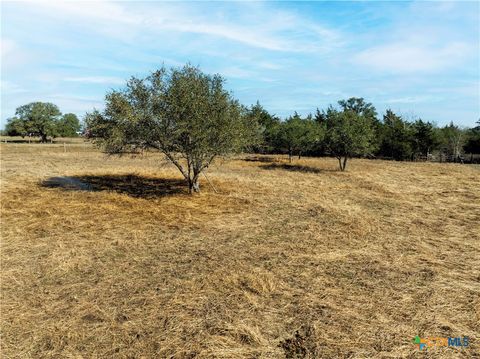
<point>279,261</point>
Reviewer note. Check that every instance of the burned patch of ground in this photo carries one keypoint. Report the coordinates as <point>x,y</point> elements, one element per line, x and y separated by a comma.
<point>129,184</point>
<point>66,183</point>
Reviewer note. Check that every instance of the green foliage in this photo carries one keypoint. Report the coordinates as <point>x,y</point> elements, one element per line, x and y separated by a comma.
<point>472,144</point>
<point>348,132</point>
<point>267,127</point>
<point>297,135</point>
<point>186,114</point>
<point>424,138</point>
<point>37,119</point>
<point>358,106</point>
<point>365,109</point>
<point>68,126</point>
<point>190,117</point>
<point>15,127</point>
<point>452,138</point>
<point>395,137</point>
<point>42,120</point>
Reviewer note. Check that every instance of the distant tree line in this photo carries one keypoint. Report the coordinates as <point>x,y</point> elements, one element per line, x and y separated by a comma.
<point>353,129</point>
<point>188,115</point>
<point>43,120</point>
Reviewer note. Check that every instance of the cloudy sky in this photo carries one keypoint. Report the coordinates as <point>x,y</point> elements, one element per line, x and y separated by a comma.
<point>419,58</point>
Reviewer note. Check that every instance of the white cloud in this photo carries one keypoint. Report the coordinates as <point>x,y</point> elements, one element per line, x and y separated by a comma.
<point>75,104</point>
<point>91,10</point>
<point>13,56</point>
<point>235,72</point>
<point>11,88</point>
<point>408,57</point>
<point>411,99</point>
<point>270,65</point>
<point>261,27</point>
<point>8,47</point>
<point>96,80</point>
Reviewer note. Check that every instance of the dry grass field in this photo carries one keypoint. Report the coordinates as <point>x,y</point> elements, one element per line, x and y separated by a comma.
<point>301,260</point>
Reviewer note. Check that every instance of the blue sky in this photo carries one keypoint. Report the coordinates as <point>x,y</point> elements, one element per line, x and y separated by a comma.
<point>422,59</point>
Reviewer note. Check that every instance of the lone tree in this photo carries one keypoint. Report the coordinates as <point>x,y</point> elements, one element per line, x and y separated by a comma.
<point>37,119</point>
<point>182,112</point>
<point>42,119</point>
<point>347,134</point>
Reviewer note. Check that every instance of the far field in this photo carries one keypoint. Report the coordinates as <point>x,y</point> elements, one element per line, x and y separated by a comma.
<point>116,260</point>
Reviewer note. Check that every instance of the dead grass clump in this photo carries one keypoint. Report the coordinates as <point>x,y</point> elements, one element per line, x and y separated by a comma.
<point>301,345</point>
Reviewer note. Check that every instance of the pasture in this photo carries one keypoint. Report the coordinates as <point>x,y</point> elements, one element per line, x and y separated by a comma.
<point>111,257</point>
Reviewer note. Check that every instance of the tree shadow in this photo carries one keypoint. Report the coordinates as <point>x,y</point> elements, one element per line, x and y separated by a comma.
<point>262,159</point>
<point>290,167</point>
<point>132,185</point>
<point>9,140</point>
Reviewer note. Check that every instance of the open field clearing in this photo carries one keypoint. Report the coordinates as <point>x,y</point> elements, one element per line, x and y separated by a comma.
<point>110,257</point>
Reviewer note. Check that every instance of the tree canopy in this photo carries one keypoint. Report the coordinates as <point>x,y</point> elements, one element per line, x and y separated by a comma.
<point>472,144</point>
<point>268,127</point>
<point>425,139</point>
<point>298,135</point>
<point>15,127</point>
<point>452,140</point>
<point>395,137</point>
<point>182,112</point>
<point>348,132</point>
<point>38,119</point>
<point>68,125</point>
<point>42,119</point>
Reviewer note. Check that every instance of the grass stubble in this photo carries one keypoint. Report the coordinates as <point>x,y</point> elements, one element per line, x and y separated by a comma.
<point>281,261</point>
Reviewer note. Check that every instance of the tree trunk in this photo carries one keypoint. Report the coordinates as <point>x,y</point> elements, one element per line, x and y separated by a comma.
<point>290,156</point>
<point>343,163</point>
<point>43,138</point>
<point>193,185</point>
